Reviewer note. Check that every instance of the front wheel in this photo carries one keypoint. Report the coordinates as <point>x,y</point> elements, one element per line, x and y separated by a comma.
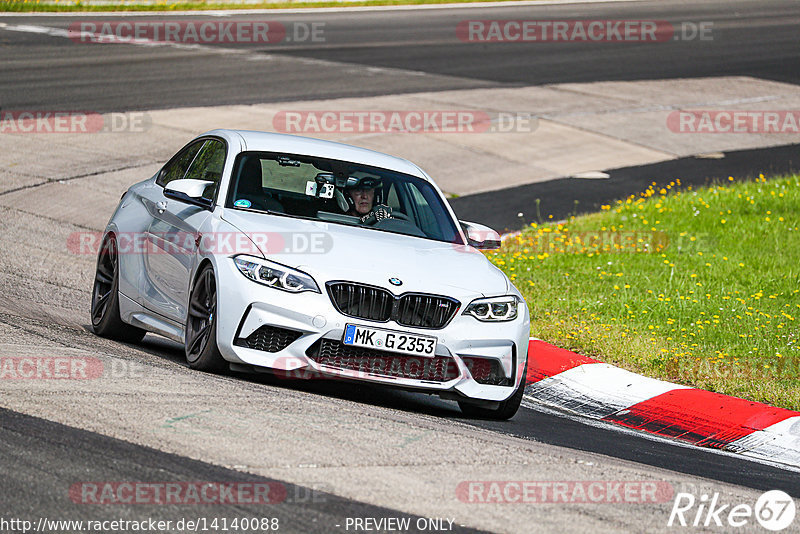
<point>106,321</point>
<point>201,348</point>
<point>505,409</point>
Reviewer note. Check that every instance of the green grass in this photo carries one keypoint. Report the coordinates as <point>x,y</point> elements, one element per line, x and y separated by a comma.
<point>701,287</point>
<point>77,5</point>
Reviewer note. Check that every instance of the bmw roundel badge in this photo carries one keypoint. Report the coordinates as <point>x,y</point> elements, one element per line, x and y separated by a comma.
<point>395,281</point>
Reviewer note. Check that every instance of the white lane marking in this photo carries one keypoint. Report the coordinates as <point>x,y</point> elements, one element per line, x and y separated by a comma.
<point>29,28</point>
<point>597,390</point>
<point>343,9</point>
<point>58,32</point>
<point>533,404</point>
<point>242,52</point>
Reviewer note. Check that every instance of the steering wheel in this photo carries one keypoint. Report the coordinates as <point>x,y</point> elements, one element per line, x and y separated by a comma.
<point>400,215</point>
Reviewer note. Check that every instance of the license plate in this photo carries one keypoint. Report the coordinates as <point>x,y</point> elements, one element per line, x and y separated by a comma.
<point>377,338</point>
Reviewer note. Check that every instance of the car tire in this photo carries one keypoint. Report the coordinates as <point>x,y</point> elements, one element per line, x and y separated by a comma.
<point>504,410</point>
<point>202,352</point>
<point>106,321</point>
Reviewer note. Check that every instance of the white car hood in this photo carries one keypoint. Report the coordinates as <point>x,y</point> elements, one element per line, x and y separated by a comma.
<point>373,257</point>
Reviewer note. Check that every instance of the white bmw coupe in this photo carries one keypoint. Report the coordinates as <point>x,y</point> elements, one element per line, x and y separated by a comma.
<point>304,257</point>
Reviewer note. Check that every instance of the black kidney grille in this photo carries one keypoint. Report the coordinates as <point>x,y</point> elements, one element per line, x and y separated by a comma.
<point>487,371</point>
<point>377,304</point>
<point>269,339</point>
<point>425,311</point>
<point>362,301</point>
<point>333,353</point>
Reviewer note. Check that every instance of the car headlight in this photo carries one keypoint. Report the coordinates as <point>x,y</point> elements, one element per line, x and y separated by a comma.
<point>494,308</point>
<point>275,275</point>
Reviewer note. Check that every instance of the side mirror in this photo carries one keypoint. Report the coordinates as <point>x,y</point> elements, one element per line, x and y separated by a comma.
<point>480,236</point>
<point>189,190</point>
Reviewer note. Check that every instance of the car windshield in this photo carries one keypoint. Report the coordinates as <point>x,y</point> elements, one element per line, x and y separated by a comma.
<point>340,192</point>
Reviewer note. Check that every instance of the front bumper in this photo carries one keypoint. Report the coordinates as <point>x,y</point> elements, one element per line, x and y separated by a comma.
<point>244,307</point>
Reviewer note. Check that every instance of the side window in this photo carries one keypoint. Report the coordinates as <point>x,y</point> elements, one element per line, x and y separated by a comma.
<point>207,165</point>
<point>175,169</point>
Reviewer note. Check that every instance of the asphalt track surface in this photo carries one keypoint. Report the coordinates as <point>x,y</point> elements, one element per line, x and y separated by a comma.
<point>388,52</point>
<point>515,207</point>
<point>39,455</point>
<point>39,71</point>
<point>39,458</point>
<point>42,72</point>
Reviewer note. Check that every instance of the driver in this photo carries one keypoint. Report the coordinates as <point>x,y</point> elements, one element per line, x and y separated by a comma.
<point>361,197</point>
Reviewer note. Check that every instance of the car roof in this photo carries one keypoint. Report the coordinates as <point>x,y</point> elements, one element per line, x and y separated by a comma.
<point>308,146</point>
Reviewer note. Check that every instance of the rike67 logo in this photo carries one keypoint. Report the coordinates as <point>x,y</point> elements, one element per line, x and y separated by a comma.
<point>774,510</point>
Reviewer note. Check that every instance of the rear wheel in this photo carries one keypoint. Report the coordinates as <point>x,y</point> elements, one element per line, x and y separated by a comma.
<point>505,409</point>
<point>106,321</point>
<point>201,348</point>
